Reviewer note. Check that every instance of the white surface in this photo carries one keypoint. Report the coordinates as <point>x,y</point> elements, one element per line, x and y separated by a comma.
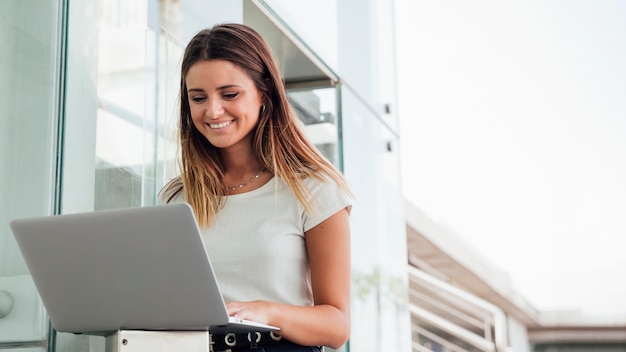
<point>158,341</point>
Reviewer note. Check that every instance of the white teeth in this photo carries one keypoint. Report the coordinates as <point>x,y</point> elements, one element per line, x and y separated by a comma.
<point>220,125</point>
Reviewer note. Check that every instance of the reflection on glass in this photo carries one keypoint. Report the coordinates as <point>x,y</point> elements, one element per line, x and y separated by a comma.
<point>315,23</point>
<point>317,110</point>
<point>123,100</point>
<point>135,100</point>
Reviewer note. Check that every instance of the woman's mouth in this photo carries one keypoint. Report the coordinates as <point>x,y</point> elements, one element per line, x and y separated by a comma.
<point>219,125</point>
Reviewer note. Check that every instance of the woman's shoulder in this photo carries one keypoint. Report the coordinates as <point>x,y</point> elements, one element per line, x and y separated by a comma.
<point>324,187</point>
<point>327,196</point>
<point>326,182</point>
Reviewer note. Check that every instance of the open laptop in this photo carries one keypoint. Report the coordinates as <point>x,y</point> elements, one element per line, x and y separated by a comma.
<point>125,269</point>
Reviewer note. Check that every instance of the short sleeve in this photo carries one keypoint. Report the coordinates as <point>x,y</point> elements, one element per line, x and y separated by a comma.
<point>327,199</point>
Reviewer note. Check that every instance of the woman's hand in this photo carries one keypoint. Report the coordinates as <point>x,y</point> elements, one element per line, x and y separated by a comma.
<point>256,311</point>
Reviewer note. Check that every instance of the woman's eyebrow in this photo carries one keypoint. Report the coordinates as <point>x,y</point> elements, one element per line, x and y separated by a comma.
<point>226,86</point>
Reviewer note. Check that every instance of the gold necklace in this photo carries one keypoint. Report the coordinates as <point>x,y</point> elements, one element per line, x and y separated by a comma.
<point>245,183</point>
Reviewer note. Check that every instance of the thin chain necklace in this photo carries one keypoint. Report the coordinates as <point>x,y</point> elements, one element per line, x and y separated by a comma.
<point>245,183</point>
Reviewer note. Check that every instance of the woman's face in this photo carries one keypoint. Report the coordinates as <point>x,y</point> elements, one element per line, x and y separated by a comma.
<point>224,103</point>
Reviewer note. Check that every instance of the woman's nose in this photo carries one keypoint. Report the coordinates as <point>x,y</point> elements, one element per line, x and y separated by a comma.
<point>214,109</point>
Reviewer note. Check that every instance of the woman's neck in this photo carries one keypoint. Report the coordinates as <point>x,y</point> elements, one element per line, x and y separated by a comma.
<point>239,164</point>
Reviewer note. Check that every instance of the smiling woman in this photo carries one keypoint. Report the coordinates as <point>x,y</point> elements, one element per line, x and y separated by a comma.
<point>84,128</point>
<point>287,214</point>
<point>225,106</point>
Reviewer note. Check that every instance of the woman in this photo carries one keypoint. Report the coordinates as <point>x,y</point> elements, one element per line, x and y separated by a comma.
<point>273,211</point>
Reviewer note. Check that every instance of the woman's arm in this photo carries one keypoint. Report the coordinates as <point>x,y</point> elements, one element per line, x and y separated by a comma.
<point>327,323</point>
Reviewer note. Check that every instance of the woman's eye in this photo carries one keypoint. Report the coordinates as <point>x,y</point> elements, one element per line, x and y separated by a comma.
<point>198,99</point>
<point>230,95</point>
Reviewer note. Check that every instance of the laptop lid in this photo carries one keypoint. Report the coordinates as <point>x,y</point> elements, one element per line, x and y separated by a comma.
<point>124,269</point>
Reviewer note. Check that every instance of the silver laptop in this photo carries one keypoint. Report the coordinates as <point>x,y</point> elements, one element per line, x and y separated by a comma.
<point>125,269</point>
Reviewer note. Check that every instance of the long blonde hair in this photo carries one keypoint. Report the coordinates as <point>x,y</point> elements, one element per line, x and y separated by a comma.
<point>279,144</point>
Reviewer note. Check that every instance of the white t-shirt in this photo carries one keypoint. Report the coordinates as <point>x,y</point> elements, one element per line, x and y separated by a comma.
<point>256,243</point>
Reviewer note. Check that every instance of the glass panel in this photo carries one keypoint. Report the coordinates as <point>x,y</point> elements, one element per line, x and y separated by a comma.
<point>380,318</point>
<point>29,33</point>
<point>114,100</point>
<point>315,22</point>
<point>121,101</point>
<point>366,54</point>
<point>355,39</point>
<point>126,105</point>
<point>317,109</point>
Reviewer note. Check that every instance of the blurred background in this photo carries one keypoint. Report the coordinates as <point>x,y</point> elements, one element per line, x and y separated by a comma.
<point>513,122</point>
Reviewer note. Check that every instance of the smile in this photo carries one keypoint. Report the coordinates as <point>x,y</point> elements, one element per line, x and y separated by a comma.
<point>219,125</point>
